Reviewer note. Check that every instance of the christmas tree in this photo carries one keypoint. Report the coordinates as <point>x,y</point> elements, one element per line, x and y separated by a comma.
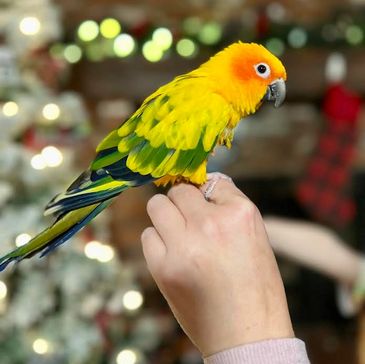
<point>80,304</point>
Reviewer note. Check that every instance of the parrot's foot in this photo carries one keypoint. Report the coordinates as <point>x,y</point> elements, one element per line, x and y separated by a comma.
<point>212,179</point>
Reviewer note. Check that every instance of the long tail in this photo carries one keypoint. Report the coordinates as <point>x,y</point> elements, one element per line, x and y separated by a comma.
<point>62,230</point>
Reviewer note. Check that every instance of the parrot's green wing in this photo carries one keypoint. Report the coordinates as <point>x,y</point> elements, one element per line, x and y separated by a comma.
<point>170,134</point>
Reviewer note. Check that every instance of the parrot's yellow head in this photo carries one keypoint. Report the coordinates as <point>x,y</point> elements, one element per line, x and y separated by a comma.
<point>246,74</point>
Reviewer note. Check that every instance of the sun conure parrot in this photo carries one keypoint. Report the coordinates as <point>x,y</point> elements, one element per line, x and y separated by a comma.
<point>168,139</point>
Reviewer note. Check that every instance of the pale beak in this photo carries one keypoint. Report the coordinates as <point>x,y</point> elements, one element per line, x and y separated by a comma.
<point>276,92</point>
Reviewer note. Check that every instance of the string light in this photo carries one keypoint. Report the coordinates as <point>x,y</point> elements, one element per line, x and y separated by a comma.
<point>30,25</point>
<point>3,290</point>
<point>10,109</point>
<point>52,156</point>
<point>51,112</point>
<point>163,38</point>
<point>132,300</point>
<point>152,52</point>
<point>88,30</point>
<point>186,48</point>
<point>22,239</point>
<point>110,28</point>
<point>124,45</point>
<point>72,53</point>
<point>41,346</point>
<point>38,162</point>
<point>127,356</point>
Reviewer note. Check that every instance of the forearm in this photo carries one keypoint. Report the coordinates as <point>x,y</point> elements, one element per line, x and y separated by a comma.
<point>315,247</point>
<point>283,351</point>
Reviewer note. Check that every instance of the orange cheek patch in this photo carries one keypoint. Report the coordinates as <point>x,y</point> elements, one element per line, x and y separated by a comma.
<point>243,68</point>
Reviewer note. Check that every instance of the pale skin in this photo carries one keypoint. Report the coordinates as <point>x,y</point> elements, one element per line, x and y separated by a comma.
<point>315,247</point>
<point>214,264</point>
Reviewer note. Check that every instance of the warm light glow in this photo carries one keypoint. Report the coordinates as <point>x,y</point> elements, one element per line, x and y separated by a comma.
<point>106,254</point>
<point>186,48</point>
<point>110,28</point>
<point>22,239</point>
<point>52,156</point>
<point>88,30</point>
<point>127,356</point>
<point>3,290</point>
<point>152,52</point>
<point>124,45</point>
<point>297,37</point>
<point>162,37</point>
<point>92,249</point>
<point>38,162</point>
<point>72,53</point>
<point>98,251</point>
<point>210,33</point>
<point>30,25</point>
<point>51,112</point>
<point>132,300</point>
<point>10,109</point>
<point>41,346</point>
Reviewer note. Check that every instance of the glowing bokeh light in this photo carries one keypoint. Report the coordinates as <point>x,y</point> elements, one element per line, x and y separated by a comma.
<point>186,48</point>
<point>110,28</point>
<point>22,239</point>
<point>88,30</point>
<point>41,346</point>
<point>30,25</point>
<point>72,53</point>
<point>52,156</point>
<point>3,290</point>
<point>38,162</point>
<point>152,52</point>
<point>127,356</point>
<point>106,254</point>
<point>124,45</point>
<point>51,112</point>
<point>354,35</point>
<point>163,38</point>
<point>10,108</point>
<point>297,37</point>
<point>132,300</point>
<point>210,33</point>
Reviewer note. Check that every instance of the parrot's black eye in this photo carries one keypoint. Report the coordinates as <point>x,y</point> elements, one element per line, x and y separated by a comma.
<point>262,70</point>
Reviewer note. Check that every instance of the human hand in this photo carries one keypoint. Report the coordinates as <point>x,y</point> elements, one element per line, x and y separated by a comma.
<point>213,263</point>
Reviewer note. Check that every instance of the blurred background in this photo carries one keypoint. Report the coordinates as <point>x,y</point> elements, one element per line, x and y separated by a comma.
<point>70,71</point>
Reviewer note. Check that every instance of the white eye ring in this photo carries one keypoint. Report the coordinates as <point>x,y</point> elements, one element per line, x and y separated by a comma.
<point>263,70</point>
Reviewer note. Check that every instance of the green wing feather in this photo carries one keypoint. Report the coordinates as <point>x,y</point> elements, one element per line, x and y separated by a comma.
<point>171,133</point>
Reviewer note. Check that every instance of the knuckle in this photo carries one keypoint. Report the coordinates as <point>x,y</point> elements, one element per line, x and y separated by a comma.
<point>246,209</point>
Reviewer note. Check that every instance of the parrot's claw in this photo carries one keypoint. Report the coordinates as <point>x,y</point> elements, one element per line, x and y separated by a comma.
<point>212,179</point>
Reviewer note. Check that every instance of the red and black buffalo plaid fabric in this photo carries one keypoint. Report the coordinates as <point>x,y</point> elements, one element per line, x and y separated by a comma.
<point>325,189</point>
